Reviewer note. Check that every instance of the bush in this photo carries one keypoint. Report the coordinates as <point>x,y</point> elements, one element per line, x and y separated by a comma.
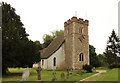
<point>87,67</point>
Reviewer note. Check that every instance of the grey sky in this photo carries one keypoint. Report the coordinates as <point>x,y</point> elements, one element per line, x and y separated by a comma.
<point>43,16</point>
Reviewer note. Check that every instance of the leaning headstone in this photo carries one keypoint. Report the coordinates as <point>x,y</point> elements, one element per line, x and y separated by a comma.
<point>62,76</point>
<point>25,75</point>
<point>54,78</point>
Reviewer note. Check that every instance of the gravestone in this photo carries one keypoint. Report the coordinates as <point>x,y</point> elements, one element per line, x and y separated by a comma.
<point>68,74</point>
<point>39,75</point>
<point>54,78</point>
<point>25,75</point>
<point>62,76</point>
<point>38,69</point>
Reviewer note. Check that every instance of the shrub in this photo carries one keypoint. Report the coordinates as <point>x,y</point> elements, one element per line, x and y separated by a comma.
<point>87,67</point>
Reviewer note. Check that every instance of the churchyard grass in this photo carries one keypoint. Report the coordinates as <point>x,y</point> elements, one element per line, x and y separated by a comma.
<point>110,75</point>
<point>102,68</point>
<point>15,74</point>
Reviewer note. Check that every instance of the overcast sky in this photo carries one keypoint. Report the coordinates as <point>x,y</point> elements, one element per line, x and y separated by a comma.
<point>43,16</point>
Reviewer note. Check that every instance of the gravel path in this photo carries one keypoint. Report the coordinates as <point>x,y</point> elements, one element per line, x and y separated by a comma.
<point>100,71</point>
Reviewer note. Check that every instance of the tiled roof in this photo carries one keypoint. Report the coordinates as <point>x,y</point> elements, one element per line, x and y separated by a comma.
<point>42,51</point>
<point>53,47</point>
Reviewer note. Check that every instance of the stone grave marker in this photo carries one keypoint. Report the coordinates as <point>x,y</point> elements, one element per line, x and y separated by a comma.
<point>62,76</point>
<point>68,74</point>
<point>25,75</point>
<point>38,69</point>
<point>54,78</point>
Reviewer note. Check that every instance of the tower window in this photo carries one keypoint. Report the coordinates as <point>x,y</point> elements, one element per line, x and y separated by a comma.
<point>54,61</point>
<point>81,58</point>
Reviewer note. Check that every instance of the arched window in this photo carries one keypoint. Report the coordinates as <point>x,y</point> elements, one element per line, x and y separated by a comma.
<point>42,62</point>
<point>81,58</point>
<point>54,61</point>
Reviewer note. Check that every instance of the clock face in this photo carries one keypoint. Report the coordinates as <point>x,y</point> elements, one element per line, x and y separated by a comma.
<point>81,38</point>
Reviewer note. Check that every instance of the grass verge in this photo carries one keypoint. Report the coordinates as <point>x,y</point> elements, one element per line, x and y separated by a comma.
<point>15,74</point>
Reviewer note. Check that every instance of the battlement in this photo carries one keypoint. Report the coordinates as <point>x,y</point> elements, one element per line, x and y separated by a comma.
<point>74,19</point>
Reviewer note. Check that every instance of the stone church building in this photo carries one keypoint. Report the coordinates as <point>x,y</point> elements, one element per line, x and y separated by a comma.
<point>70,49</point>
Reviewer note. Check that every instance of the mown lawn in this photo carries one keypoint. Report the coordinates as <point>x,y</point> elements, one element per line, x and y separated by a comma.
<point>102,68</point>
<point>16,75</point>
<point>110,75</point>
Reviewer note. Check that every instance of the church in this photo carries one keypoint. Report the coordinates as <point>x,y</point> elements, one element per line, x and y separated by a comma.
<point>69,50</point>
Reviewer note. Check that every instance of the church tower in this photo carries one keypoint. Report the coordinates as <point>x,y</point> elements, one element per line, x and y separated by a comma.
<point>76,43</point>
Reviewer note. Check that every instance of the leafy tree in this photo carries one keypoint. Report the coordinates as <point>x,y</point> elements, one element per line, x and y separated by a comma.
<point>57,33</point>
<point>101,59</point>
<point>13,33</point>
<point>17,49</point>
<point>94,61</point>
<point>48,38</point>
<point>39,46</point>
<point>12,26</point>
<point>112,49</point>
<point>31,54</point>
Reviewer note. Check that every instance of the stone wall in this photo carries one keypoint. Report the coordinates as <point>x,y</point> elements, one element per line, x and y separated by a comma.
<point>68,46</point>
<point>80,46</point>
<point>76,42</point>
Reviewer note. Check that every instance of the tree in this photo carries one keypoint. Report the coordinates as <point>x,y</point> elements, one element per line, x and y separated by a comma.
<point>12,33</point>
<point>101,59</point>
<point>39,46</point>
<point>12,26</point>
<point>112,49</point>
<point>17,49</point>
<point>31,54</point>
<point>94,61</point>
<point>57,33</point>
<point>48,38</point>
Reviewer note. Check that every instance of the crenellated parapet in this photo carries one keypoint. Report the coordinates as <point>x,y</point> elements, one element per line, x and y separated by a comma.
<point>78,20</point>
